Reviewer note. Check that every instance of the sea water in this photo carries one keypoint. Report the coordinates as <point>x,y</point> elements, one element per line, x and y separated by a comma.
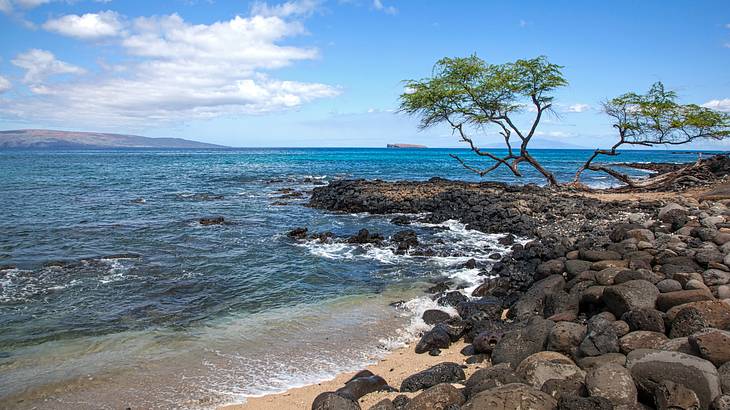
<point>117,295</point>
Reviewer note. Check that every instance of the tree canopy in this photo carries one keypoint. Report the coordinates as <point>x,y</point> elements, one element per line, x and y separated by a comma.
<point>467,93</point>
<point>656,118</point>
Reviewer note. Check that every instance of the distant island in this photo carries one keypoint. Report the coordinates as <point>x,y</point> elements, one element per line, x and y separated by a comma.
<point>53,139</point>
<point>406,146</point>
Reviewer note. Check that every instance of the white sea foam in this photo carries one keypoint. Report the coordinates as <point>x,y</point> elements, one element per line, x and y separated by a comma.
<point>455,238</point>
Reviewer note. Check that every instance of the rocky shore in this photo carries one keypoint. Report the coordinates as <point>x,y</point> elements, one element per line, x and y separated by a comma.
<point>613,304</point>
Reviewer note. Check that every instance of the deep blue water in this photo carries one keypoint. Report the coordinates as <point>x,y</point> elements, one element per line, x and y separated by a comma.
<point>85,208</point>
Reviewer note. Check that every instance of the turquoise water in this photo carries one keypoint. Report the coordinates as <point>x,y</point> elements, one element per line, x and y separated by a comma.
<point>119,296</point>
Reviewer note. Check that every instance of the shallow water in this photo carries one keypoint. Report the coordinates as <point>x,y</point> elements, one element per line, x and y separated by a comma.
<point>145,307</point>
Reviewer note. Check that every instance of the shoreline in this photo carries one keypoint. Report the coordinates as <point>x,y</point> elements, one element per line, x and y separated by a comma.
<point>393,367</point>
<point>608,281</point>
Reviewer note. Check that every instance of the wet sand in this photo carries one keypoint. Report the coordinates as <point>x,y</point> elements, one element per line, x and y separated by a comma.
<point>395,367</point>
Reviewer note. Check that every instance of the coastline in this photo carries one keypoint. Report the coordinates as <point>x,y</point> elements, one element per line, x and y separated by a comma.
<point>394,368</point>
<point>609,280</point>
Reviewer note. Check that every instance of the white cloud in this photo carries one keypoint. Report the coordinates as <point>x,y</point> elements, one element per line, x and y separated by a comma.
<point>6,6</point>
<point>180,71</point>
<point>578,108</point>
<point>378,5</point>
<point>719,105</point>
<point>40,64</point>
<point>86,26</point>
<point>290,8</point>
<point>5,84</point>
<point>554,134</point>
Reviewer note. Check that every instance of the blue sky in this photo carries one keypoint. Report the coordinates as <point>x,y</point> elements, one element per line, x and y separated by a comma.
<point>328,73</point>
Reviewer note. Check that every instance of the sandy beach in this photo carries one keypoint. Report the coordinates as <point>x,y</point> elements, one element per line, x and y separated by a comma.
<point>395,367</point>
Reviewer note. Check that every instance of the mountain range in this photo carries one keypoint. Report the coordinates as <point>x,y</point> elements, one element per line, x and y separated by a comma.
<point>53,139</point>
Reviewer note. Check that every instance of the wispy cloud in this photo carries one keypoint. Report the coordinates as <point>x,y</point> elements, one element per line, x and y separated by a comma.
<point>41,64</point>
<point>5,84</point>
<point>290,8</point>
<point>719,105</point>
<point>378,5</point>
<point>523,23</point>
<point>578,108</point>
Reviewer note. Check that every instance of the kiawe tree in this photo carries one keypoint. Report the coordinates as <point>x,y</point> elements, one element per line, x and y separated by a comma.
<point>470,95</point>
<point>651,119</point>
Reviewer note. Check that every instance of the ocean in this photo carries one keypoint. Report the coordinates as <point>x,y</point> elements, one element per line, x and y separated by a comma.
<point>112,294</point>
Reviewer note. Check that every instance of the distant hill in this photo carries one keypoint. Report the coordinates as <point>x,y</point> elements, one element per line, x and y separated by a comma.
<point>51,139</point>
<point>405,146</point>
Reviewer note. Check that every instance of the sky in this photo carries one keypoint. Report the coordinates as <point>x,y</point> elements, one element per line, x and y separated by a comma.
<point>329,72</point>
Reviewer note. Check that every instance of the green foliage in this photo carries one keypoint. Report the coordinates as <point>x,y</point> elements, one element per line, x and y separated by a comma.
<point>469,91</point>
<point>657,118</point>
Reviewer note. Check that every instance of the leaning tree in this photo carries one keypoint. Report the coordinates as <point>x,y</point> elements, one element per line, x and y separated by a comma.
<point>651,119</point>
<point>471,95</point>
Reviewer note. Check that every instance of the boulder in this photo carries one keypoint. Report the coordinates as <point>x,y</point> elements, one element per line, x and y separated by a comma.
<point>576,266</point>
<point>665,301</point>
<point>641,339</point>
<point>364,236</point>
<point>724,372</point>
<point>668,285</point>
<point>434,316</point>
<point>436,338</point>
<point>588,363</point>
<point>679,344</point>
<point>363,383</point>
<point>621,328</point>
<point>569,387</point>
<point>688,321</point>
<point>641,235</point>
<point>601,265</point>
<point>600,338</point>
<point>385,404</point>
<point>631,295</point>
<point>643,274</point>
<point>713,345</point>
<point>706,256</point>
<point>672,206</point>
<point>551,267</point>
<point>721,403</point>
<point>715,277</point>
<point>533,301</point>
<point>516,345</point>
<point>606,276</point>
<point>540,367</point>
<point>513,396</point>
<point>565,337</point>
<point>296,233</point>
<point>215,220</point>
<point>485,342</point>
<point>714,312</point>
<point>650,367</point>
<point>333,401</point>
<point>491,377</point>
<point>645,319</point>
<point>620,231</point>
<point>404,240</point>
<point>584,403</point>
<point>598,255</point>
<point>613,382</point>
<point>438,397</point>
<point>672,396</point>
<point>446,372</point>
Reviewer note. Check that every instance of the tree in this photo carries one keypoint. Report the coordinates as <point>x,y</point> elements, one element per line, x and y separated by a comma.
<point>467,93</point>
<point>655,118</point>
